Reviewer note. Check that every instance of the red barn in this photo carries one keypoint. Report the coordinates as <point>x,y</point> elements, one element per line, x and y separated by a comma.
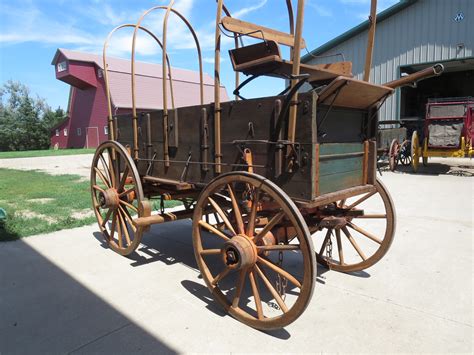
<point>86,122</point>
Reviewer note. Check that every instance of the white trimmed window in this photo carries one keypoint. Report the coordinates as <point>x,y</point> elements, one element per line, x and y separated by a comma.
<point>65,132</point>
<point>79,132</point>
<point>61,67</point>
<point>106,130</point>
<point>57,133</point>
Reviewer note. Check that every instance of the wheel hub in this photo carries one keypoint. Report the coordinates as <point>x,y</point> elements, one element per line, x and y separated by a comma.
<point>109,199</point>
<point>239,253</point>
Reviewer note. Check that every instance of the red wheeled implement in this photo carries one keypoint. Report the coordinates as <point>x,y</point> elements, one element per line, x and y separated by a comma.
<point>272,184</point>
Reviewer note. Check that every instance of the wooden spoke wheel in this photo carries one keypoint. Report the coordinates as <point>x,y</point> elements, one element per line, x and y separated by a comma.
<point>116,196</point>
<point>405,153</point>
<point>363,235</point>
<point>415,151</point>
<point>254,250</point>
<point>393,155</point>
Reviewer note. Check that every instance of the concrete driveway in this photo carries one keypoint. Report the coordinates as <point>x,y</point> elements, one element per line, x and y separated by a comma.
<point>66,292</point>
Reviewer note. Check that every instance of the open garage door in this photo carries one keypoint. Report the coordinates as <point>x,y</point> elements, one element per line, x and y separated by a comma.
<point>456,81</point>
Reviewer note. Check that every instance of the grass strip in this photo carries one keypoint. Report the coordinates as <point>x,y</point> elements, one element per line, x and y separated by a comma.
<point>38,203</point>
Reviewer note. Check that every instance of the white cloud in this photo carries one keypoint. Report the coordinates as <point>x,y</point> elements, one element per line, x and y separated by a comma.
<point>246,10</point>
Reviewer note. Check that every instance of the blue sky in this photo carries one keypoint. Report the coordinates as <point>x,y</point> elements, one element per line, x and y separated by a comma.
<point>32,30</point>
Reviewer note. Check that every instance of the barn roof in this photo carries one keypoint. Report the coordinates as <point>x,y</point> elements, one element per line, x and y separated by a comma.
<point>149,82</point>
<point>402,4</point>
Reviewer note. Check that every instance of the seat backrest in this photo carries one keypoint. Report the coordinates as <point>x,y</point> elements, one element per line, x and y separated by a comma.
<point>252,30</point>
<point>253,52</point>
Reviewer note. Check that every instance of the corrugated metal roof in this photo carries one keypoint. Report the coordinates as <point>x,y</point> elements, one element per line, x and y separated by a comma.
<point>149,81</point>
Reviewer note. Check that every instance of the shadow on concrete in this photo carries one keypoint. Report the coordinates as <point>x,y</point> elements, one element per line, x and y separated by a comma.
<point>43,310</point>
<point>433,168</point>
<point>171,243</point>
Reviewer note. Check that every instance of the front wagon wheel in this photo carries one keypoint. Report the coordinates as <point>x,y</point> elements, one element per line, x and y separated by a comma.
<point>116,196</point>
<point>254,250</point>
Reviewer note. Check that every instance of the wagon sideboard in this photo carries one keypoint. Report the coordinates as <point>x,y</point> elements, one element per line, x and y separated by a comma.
<point>335,146</point>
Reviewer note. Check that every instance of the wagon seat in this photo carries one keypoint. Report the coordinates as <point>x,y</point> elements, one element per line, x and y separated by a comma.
<point>335,79</point>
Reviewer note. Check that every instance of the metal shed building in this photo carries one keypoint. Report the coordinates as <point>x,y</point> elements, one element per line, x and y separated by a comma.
<point>412,35</point>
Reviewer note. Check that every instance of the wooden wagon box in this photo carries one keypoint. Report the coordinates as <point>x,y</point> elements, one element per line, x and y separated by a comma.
<point>329,158</point>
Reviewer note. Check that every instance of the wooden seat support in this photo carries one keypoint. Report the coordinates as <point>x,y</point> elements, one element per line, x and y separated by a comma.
<point>264,58</point>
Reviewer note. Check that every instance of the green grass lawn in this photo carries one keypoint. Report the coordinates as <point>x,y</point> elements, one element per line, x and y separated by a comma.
<point>37,203</point>
<point>44,153</point>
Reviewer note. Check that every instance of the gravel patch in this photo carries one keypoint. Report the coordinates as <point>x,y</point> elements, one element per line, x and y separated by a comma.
<point>57,165</point>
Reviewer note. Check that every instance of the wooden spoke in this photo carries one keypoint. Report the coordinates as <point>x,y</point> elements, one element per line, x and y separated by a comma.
<point>114,222</point>
<point>210,252</point>
<point>126,192</point>
<point>364,232</point>
<point>326,239</point>
<point>128,218</point>
<point>238,290</point>
<point>256,295</point>
<point>107,216</point>
<point>114,163</point>
<point>124,228</point>
<point>341,203</point>
<point>219,277</point>
<point>125,203</point>
<point>381,216</point>
<point>124,178</point>
<point>278,247</point>
<point>102,177</point>
<point>354,243</point>
<point>273,222</point>
<point>98,188</point>
<point>119,230</point>
<point>111,165</point>
<point>339,246</point>
<point>106,167</point>
<point>253,213</point>
<point>280,271</point>
<point>235,207</point>
<point>221,213</point>
<point>272,290</point>
<point>362,199</point>
<point>214,230</point>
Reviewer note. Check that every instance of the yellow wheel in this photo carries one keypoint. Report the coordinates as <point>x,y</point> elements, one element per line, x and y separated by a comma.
<point>415,151</point>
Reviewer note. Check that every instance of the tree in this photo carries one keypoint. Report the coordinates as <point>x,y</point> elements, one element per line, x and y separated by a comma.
<point>25,122</point>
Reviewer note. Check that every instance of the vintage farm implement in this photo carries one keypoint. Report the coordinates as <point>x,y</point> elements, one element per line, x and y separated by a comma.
<point>446,131</point>
<point>272,184</point>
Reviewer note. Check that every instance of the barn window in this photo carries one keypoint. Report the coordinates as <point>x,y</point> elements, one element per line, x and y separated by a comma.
<point>65,132</point>
<point>62,67</point>
<point>79,132</point>
<point>100,73</point>
<point>106,130</point>
<point>57,133</point>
